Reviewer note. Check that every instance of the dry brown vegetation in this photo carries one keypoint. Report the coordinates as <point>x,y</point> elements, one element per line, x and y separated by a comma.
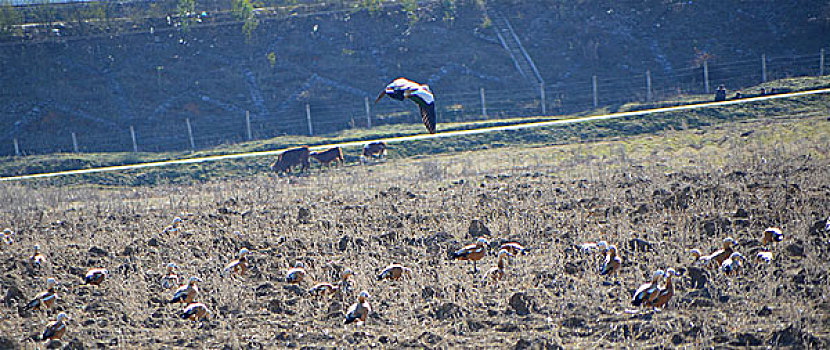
<point>678,190</point>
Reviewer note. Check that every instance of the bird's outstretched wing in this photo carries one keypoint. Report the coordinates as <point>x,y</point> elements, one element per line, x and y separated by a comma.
<point>428,115</point>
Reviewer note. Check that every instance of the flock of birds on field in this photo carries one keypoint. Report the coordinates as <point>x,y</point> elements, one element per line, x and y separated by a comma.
<point>656,293</point>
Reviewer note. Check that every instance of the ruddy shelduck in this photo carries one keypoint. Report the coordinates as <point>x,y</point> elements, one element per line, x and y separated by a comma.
<point>772,235</point>
<point>8,237</point>
<point>360,309</point>
<point>37,259</point>
<point>240,265</point>
<point>514,248</point>
<point>647,292</point>
<point>593,247</point>
<point>722,254</point>
<point>170,278</point>
<point>665,294</point>
<point>174,226</point>
<point>195,312</point>
<point>325,288</point>
<point>496,273</point>
<point>733,264</point>
<point>612,262</point>
<point>56,330</point>
<point>472,252</point>
<point>45,299</point>
<point>96,276</point>
<point>394,272</point>
<point>187,293</point>
<point>296,274</point>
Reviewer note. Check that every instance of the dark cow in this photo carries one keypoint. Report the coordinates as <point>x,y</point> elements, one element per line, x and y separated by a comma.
<point>290,158</point>
<point>374,149</point>
<point>328,156</point>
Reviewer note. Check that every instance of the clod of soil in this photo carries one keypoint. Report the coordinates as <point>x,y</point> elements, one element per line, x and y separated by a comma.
<point>477,229</point>
<point>520,303</point>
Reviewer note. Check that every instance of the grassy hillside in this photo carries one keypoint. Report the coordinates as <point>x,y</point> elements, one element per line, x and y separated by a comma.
<point>154,75</point>
<point>676,189</point>
<point>599,130</point>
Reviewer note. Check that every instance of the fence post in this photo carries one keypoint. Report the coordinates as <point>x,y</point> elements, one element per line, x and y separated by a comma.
<point>706,76</point>
<point>74,142</point>
<point>483,103</point>
<point>308,117</point>
<point>821,63</point>
<point>190,134</point>
<point>248,125</point>
<point>542,93</point>
<point>368,112</point>
<point>16,147</point>
<point>132,134</point>
<point>764,68</point>
<point>648,86</point>
<point>594,89</point>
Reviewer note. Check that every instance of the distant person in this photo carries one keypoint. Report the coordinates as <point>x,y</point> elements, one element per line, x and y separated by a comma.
<point>720,93</point>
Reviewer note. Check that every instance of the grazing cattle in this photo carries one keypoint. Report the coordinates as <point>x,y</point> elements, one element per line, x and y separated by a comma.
<point>328,156</point>
<point>290,158</point>
<point>374,149</point>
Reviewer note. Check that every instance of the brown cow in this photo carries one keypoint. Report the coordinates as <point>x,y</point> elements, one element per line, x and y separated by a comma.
<point>290,158</point>
<point>328,156</point>
<point>374,149</point>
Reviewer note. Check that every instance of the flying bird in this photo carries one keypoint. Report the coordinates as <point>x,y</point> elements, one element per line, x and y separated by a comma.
<point>402,88</point>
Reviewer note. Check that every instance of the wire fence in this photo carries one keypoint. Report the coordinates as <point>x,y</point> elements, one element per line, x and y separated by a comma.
<point>324,116</point>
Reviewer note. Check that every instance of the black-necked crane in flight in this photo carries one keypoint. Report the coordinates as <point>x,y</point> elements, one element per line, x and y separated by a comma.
<point>402,88</point>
